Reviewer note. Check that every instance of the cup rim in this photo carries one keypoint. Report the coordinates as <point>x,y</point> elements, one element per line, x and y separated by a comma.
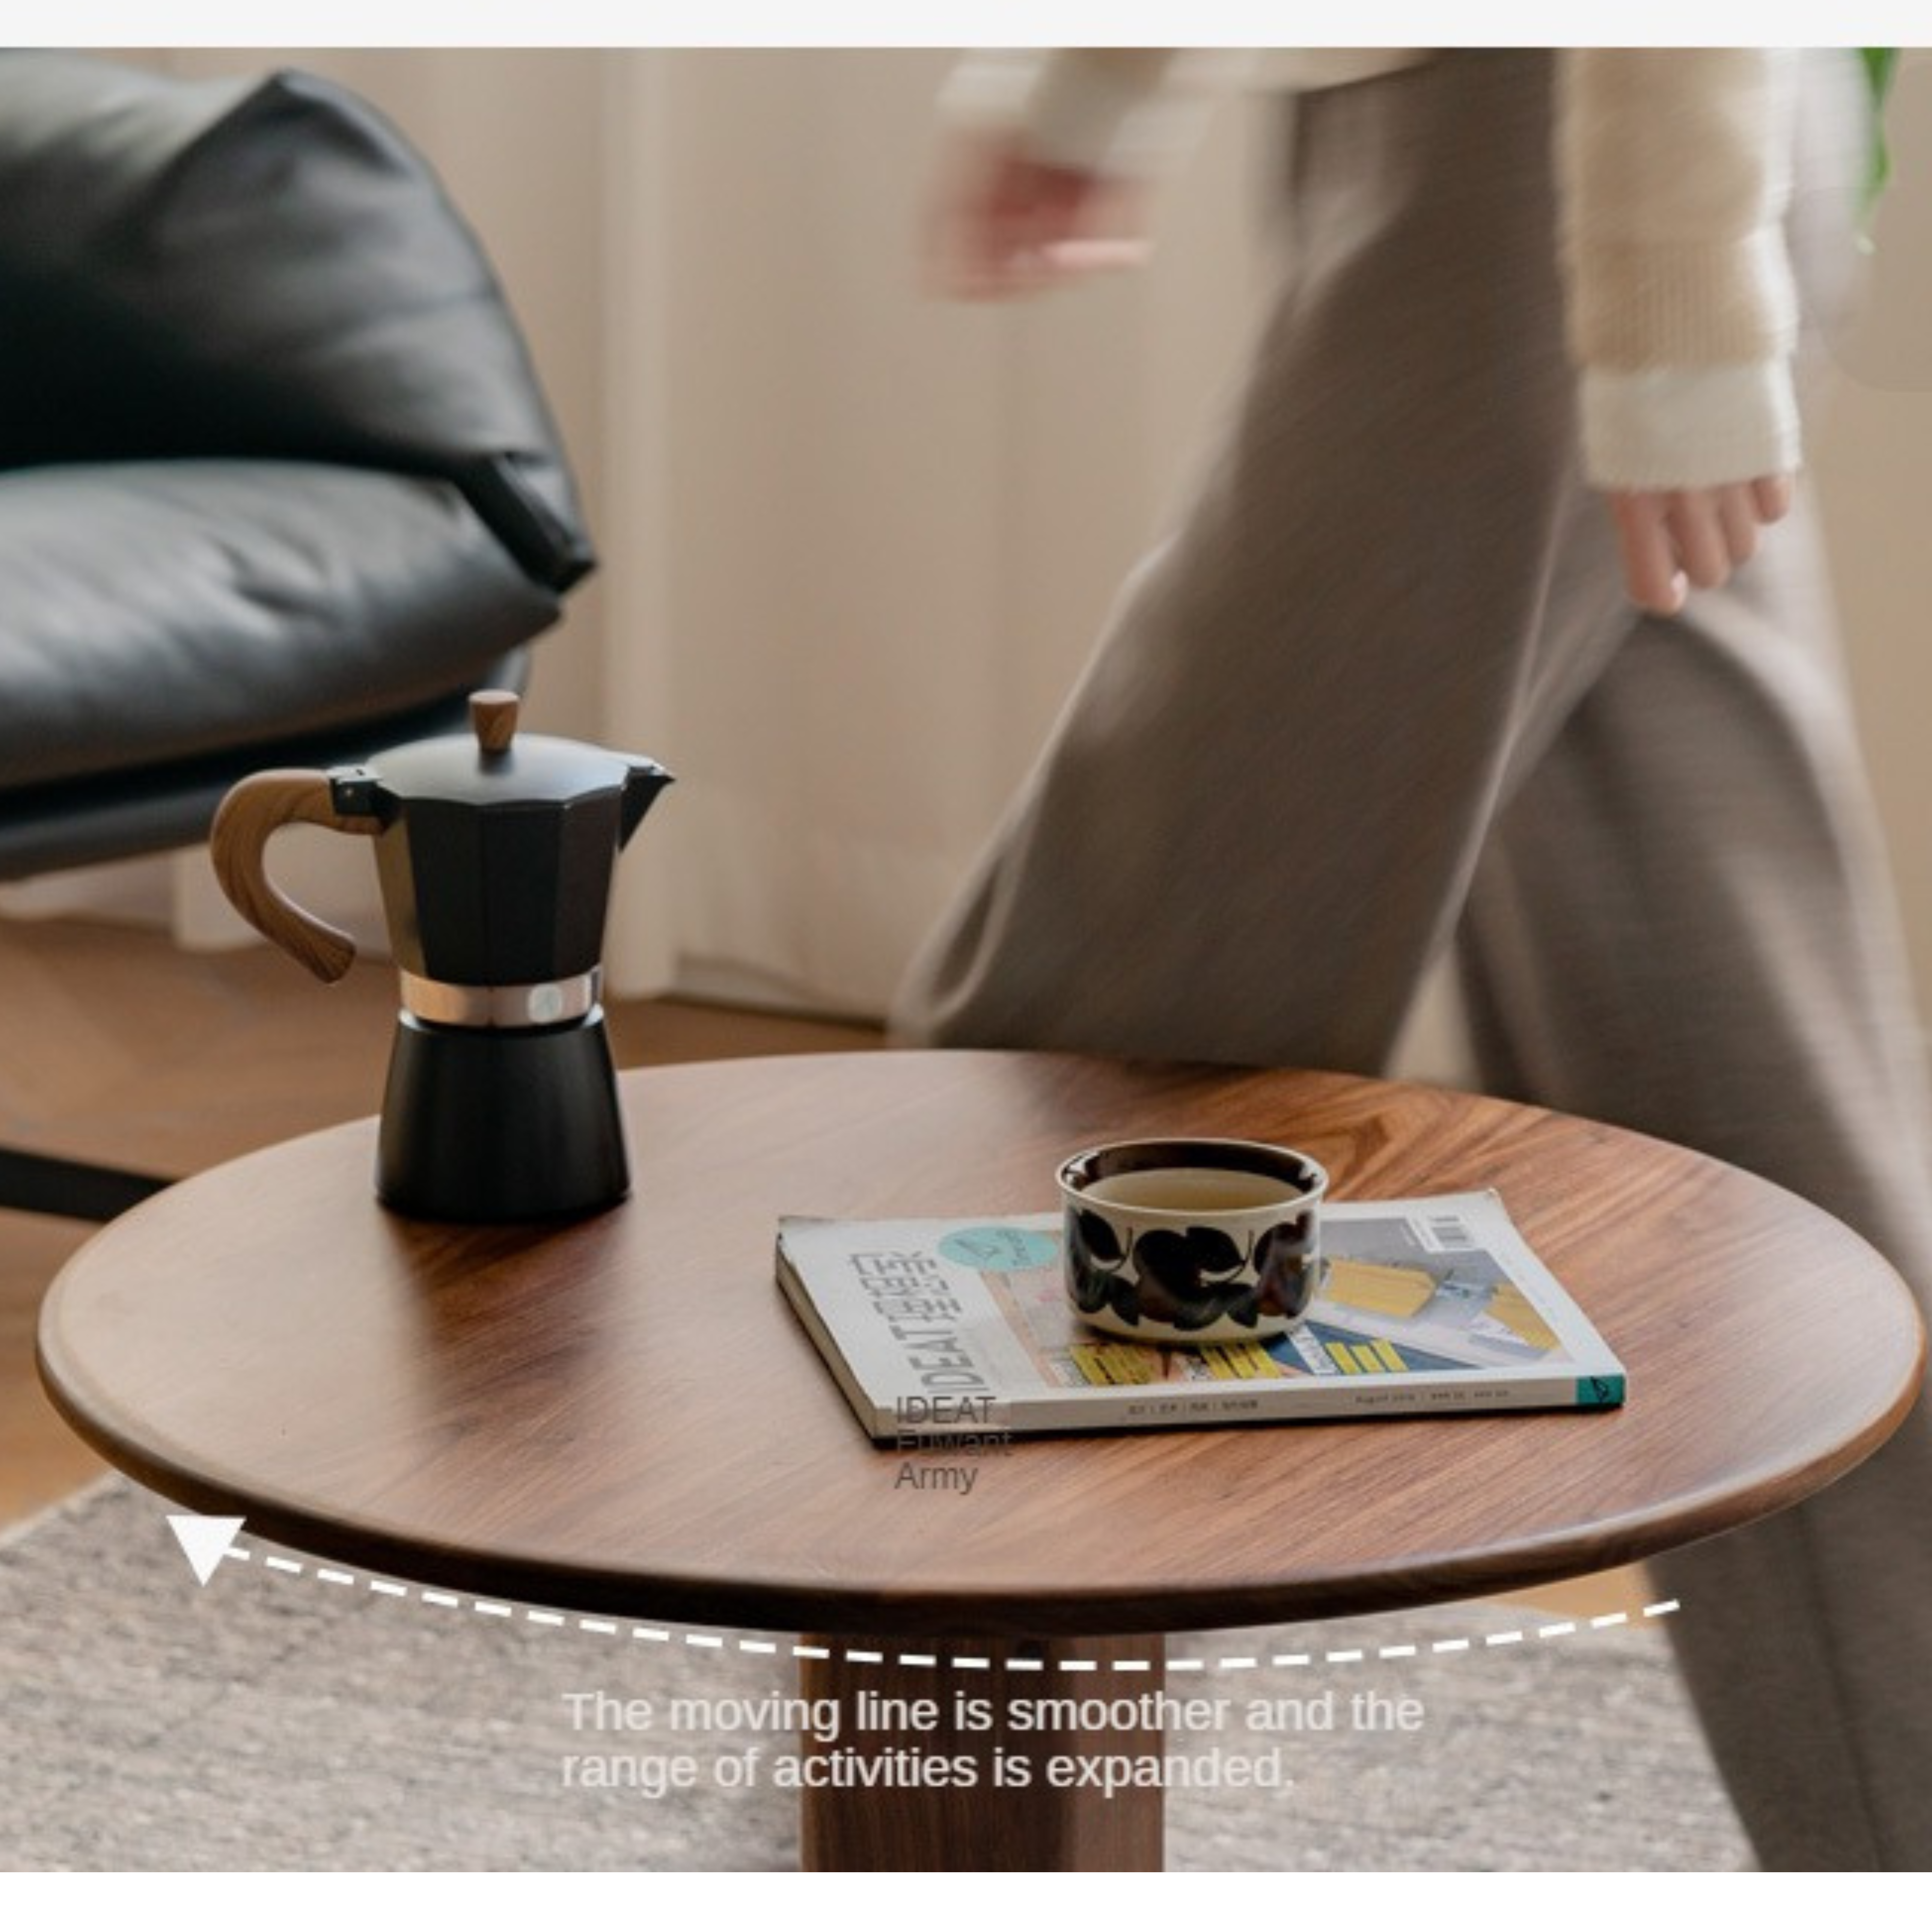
<point>1266,1159</point>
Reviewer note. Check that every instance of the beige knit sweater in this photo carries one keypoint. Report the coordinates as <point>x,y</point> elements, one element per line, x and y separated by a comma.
<point>1674,170</point>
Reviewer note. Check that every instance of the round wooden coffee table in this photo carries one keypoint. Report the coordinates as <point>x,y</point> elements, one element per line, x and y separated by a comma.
<point>622,1416</point>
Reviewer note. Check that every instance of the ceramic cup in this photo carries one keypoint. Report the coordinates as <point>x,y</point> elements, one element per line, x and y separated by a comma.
<point>1192,1240</point>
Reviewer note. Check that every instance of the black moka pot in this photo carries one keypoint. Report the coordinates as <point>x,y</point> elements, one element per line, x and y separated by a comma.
<point>495,853</point>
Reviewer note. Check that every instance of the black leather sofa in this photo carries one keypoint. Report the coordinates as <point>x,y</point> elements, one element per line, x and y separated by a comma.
<point>277,482</point>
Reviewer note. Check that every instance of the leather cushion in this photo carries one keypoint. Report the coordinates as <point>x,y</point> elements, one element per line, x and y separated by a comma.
<point>155,612</point>
<point>258,268</point>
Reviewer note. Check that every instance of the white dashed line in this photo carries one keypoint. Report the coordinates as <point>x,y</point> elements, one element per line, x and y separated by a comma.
<point>963,1661</point>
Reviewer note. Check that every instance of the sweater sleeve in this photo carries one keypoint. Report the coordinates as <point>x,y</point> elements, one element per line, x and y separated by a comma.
<point>1104,110</point>
<point>1674,166</point>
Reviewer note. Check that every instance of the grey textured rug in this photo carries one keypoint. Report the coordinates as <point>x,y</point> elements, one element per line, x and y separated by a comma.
<point>275,1721</point>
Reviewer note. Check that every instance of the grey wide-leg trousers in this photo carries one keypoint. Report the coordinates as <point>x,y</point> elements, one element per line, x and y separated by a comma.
<point>1381,691</point>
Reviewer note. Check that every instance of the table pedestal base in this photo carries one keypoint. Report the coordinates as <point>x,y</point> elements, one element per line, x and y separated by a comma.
<point>998,1809</point>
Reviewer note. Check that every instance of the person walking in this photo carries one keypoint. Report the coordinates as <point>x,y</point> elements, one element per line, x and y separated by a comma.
<point>1498,623</point>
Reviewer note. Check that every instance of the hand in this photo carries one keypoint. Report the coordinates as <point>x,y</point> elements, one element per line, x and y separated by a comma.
<point>999,223</point>
<point>1674,539</point>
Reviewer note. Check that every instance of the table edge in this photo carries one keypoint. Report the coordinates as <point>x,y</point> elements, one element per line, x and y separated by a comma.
<point>786,1606</point>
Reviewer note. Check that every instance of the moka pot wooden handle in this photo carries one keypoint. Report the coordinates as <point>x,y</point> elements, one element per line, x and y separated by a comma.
<point>250,815</point>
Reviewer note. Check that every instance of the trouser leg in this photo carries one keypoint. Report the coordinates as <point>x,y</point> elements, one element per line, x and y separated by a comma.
<point>1254,823</point>
<point>1683,924</point>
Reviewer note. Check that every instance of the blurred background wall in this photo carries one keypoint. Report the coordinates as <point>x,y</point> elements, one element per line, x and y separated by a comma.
<point>856,543</point>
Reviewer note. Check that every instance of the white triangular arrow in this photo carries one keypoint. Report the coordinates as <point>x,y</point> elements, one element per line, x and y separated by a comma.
<point>205,1540</point>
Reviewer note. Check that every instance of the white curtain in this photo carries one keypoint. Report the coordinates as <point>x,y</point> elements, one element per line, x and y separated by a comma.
<point>873,535</point>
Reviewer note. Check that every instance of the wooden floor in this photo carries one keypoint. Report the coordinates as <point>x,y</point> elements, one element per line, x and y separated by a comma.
<point>117,1047</point>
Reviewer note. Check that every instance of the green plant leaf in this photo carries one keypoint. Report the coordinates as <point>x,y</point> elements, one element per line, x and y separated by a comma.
<point>1881,67</point>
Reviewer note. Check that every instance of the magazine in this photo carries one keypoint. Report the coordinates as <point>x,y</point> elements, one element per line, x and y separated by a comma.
<point>1432,1306</point>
